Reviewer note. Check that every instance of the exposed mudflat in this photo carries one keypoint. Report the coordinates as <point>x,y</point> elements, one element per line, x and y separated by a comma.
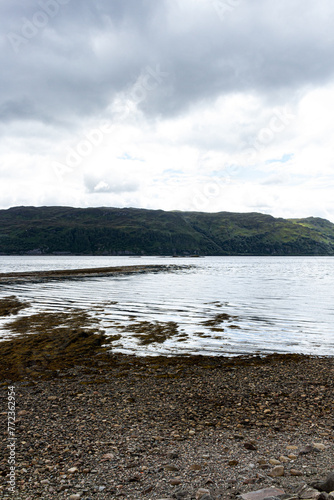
<point>33,276</point>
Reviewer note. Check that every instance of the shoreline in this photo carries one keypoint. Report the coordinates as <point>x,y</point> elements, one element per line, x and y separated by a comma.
<point>138,428</point>
<point>91,423</point>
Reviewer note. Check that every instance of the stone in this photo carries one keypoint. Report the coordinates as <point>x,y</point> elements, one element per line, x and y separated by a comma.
<point>319,446</point>
<point>273,461</point>
<point>180,494</point>
<point>172,455</point>
<point>196,467</point>
<point>305,492</point>
<point>232,463</point>
<point>283,459</point>
<point>327,485</point>
<point>292,447</point>
<point>175,481</point>
<point>292,456</point>
<point>331,495</point>
<point>201,492</point>
<point>76,496</point>
<point>73,470</point>
<point>295,472</point>
<point>107,456</point>
<point>171,468</point>
<point>277,471</point>
<point>309,448</point>
<point>250,446</point>
<point>262,494</point>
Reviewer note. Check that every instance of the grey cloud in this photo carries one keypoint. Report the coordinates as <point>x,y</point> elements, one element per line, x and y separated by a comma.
<point>90,52</point>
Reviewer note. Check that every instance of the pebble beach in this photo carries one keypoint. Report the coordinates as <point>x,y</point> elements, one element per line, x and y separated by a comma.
<point>166,428</point>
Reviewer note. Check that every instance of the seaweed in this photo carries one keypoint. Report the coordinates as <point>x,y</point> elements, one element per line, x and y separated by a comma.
<point>11,305</point>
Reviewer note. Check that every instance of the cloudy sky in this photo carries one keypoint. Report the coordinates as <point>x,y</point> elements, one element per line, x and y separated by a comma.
<point>205,105</point>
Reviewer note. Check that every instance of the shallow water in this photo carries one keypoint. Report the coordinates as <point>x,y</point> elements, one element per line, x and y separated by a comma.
<point>267,304</point>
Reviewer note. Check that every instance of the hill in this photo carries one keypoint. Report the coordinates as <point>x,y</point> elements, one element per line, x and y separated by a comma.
<point>131,231</point>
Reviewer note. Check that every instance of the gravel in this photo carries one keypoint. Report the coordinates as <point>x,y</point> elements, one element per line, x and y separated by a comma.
<point>171,428</point>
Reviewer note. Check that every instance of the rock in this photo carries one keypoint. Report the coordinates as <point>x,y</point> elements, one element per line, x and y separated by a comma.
<point>73,470</point>
<point>292,456</point>
<point>107,456</point>
<point>319,446</point>
<point>292,447</point>
<point>262,494</point>
<point>250,446</point>
<point>175,481</point>
<point>76,496</point>
<point>277,471</point>
<point>232,463</point>
<point>309,448</point>
<point>305,492</point>
<point>284,459</point>
<point>331,495</point>
<point>327,485</point>
<point>201,493</point>
<point>196,467</point>
<point>171,468</point>
<point>273,461</point>
<point>172,455</point>
<point>295,472</point>
<point>322,496</point>
<point>179,494</point>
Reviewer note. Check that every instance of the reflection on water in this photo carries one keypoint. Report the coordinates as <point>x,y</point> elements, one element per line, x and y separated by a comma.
<point>223,305</point>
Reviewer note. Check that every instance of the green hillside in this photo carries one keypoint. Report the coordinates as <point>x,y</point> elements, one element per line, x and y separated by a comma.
<point>131,231</point>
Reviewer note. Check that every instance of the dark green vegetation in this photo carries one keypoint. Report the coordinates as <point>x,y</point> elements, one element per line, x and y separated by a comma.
<point>130,231</point>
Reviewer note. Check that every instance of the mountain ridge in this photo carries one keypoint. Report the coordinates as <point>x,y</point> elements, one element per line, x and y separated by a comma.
<point>137,231</point>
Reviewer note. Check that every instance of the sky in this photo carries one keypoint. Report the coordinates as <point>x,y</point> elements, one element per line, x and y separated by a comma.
<point>197,105</point>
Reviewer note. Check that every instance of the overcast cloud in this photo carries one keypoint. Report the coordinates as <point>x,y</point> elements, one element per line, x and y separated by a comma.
<point>176,104</point>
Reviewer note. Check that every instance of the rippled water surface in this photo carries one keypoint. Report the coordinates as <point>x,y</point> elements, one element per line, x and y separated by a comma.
<point>265,304</point>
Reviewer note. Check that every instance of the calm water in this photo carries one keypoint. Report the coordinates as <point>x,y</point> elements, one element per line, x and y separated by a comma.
<point>276,304</point>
